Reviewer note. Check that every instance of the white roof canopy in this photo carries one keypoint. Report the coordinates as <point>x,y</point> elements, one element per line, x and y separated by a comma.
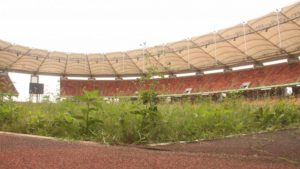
<point>275,35</point>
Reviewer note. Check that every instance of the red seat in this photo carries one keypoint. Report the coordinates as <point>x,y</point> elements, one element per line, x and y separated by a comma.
<point>265,76</point>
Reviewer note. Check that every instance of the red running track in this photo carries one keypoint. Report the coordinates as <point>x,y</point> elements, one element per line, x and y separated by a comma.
<point>27,152</point>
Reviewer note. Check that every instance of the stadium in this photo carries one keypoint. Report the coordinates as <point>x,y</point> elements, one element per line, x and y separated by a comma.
<point>272,37</point>
<point>127,97</point>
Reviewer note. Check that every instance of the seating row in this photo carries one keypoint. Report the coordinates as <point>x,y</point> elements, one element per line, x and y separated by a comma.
<point>264,76</point>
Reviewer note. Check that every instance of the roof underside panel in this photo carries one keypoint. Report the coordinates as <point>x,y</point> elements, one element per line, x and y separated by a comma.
<point>275,35</point>
<point>99,65</point>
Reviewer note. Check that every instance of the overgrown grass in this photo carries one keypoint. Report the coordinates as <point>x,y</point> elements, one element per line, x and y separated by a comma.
<point>134,122</point>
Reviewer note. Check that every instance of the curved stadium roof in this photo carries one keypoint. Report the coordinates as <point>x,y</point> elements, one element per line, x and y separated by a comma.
<point>275,35</point>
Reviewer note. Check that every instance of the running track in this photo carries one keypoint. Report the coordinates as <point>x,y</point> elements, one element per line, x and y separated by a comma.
<point>29,152</point>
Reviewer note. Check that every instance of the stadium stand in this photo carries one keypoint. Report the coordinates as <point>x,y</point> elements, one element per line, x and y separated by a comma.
<point>280,74</point>
<point>269,38</point>
<point>6,85</point>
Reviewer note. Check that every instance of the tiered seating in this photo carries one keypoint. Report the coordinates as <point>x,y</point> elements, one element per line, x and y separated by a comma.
<point>264,76</point>
<point>6,85</point>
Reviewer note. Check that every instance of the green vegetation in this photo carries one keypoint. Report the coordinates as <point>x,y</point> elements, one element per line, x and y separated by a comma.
<point>145,120</point>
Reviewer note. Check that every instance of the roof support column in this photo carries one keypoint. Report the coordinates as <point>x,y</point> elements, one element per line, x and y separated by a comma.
<point>278,28</point>
<point>188,51</point>
<point>138,68</point>
<point>166,68</point>
<point>245,40</point>
<point>110,64</point>
<point>181,58</point>
<point>89,66</point>
<point>63,78</point>
<point>292,59</point>
<point>143,46</point>
<point>215,50</point>
<point>227,69</point>
<point>258,65</point>
<point>216,60</point>
<point>66,64</point>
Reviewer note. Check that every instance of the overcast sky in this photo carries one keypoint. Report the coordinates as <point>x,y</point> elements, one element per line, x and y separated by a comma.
<point>94,26</point>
